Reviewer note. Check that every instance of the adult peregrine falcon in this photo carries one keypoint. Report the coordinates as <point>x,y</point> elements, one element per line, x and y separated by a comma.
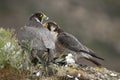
<point>36,38</point>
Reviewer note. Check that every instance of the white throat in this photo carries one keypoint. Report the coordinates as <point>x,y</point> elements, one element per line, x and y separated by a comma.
<point>38,20</point>
<point>54,34</point>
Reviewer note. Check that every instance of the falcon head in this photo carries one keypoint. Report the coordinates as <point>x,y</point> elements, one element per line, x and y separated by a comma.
<point>39,17</point>
<point>52,26</point>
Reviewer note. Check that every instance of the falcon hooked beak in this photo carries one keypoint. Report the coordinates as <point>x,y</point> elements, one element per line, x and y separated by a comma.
<point>44,17</point>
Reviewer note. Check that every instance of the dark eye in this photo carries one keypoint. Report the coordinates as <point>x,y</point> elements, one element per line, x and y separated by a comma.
<point>55,29</point>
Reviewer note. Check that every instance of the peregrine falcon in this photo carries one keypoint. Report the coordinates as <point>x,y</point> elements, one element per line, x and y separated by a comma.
<point>36,39</point>
<point>71,43</point>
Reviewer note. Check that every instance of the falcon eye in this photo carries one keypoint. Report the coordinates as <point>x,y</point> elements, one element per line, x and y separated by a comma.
<point>41,15</point>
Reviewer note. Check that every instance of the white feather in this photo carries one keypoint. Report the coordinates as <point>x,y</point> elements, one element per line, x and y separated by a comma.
<point>69,59</point>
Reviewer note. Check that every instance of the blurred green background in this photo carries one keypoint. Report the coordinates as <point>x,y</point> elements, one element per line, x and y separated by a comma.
<point>96,23</point>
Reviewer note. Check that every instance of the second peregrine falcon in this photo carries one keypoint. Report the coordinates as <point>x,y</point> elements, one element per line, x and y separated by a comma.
<point>71,43</point>
<point>36,39</point>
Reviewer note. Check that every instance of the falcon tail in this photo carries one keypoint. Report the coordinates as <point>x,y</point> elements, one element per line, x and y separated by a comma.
<point>93,61</point>
<point>92,54</point>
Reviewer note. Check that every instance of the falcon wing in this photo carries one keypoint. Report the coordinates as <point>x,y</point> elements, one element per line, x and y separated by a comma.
<point>69,41</point>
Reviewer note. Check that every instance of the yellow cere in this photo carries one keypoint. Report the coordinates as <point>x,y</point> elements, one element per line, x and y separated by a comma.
<point>44,16</point>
